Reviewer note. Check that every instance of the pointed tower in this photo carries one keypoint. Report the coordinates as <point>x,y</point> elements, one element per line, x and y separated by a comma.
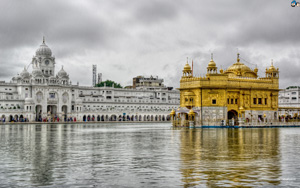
<point>187,70</point>
<point>212,68</point>
<point>272,72</point>
<point>44,60</point>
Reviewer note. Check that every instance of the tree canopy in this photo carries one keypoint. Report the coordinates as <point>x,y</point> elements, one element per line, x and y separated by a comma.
<point>109,83</point>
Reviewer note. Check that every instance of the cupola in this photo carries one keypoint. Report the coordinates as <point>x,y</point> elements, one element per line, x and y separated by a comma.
<point>43,50</point>
<point>211,68</point>
<point>187,70</point>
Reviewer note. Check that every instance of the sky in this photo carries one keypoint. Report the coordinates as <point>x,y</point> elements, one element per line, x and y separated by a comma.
<point>141,37</point>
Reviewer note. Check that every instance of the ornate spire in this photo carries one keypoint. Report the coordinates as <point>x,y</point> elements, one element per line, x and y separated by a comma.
<point>238,57</point>
<point>272,62</point>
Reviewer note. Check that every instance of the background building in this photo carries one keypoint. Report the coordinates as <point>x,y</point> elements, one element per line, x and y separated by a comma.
<point>289,101</point>
<point>45,94</point>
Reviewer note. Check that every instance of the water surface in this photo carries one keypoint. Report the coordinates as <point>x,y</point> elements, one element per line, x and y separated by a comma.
<point>147,155</point>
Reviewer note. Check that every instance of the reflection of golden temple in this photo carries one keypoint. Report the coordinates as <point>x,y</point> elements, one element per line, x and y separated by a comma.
<point>230,157</point>
<point>236,94</point>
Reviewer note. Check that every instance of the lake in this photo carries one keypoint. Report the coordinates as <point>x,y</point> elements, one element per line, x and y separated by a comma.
<point>147,155</point>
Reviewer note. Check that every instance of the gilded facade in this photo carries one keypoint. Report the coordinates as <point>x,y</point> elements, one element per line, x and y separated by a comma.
<point>232,96</point>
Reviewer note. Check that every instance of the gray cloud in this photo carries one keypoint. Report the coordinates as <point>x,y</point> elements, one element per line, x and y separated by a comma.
<point>126,39</point>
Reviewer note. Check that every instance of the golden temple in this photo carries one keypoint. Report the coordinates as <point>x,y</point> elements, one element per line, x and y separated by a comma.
<point>232,96</point>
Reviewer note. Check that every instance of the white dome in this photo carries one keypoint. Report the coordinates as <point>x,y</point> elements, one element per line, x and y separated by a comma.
<point>29,101</point>
<point>17,77</point>
<point>43,50</point>
<point>25,73</point>
<point>62,73</point>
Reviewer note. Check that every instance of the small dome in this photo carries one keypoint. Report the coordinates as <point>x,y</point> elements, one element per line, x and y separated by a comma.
<point>172,112</point>
<point>17,77</point>
<point>43,50</point>
<point>37,73</point>
<point>221,71</point>
<point>25,73</point>
<point>272,68</point>
<point>29,101</point>
<point>191,112</point>
<point>62,73</point>
<point>187,67</point>
<point>211,63</point>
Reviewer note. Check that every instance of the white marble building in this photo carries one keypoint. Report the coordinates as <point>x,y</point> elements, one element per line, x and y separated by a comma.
<point>289,101</point>
<point>43,94</point>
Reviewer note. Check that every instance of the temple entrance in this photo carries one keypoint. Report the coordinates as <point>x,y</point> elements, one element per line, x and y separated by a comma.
<point>232,114</point>
<point>64,111</point>
<point>38,112</point>
<point>51,110</point>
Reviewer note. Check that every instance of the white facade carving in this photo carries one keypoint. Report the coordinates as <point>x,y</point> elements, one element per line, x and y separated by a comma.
<point>44,95</point>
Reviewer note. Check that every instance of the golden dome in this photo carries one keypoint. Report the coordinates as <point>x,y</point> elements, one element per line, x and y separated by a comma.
<point>191,112</point>
<point>239,69</point>
<point>272,68</point>
<point>221,71</point>
<point>172,112</point>
<point>187,67</point>
<point>211,63</point>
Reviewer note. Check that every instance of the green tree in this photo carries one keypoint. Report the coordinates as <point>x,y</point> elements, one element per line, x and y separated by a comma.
<point>109,83</point>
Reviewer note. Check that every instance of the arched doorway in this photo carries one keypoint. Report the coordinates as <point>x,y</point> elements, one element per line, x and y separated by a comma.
<point>113,117</point>
<point>38,112</point>
<point>16,118</point>
<point>11,118</point>
<point>21,118</point>
<point>232,114</point>
<point>84,118</point>
<point>64,110</point>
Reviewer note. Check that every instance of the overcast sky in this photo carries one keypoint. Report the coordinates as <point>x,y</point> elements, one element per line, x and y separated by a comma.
<point>130,38</point>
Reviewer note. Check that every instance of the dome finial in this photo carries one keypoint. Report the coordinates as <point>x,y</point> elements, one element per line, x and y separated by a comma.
<point>238,57</point>
<point>272,62</point>
<point>187,60</point>
<point>43,39</point>
<point>212,56</point>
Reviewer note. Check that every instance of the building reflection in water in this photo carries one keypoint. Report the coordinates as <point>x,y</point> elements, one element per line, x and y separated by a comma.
<point>230,157</point>
<point>39,150</point>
